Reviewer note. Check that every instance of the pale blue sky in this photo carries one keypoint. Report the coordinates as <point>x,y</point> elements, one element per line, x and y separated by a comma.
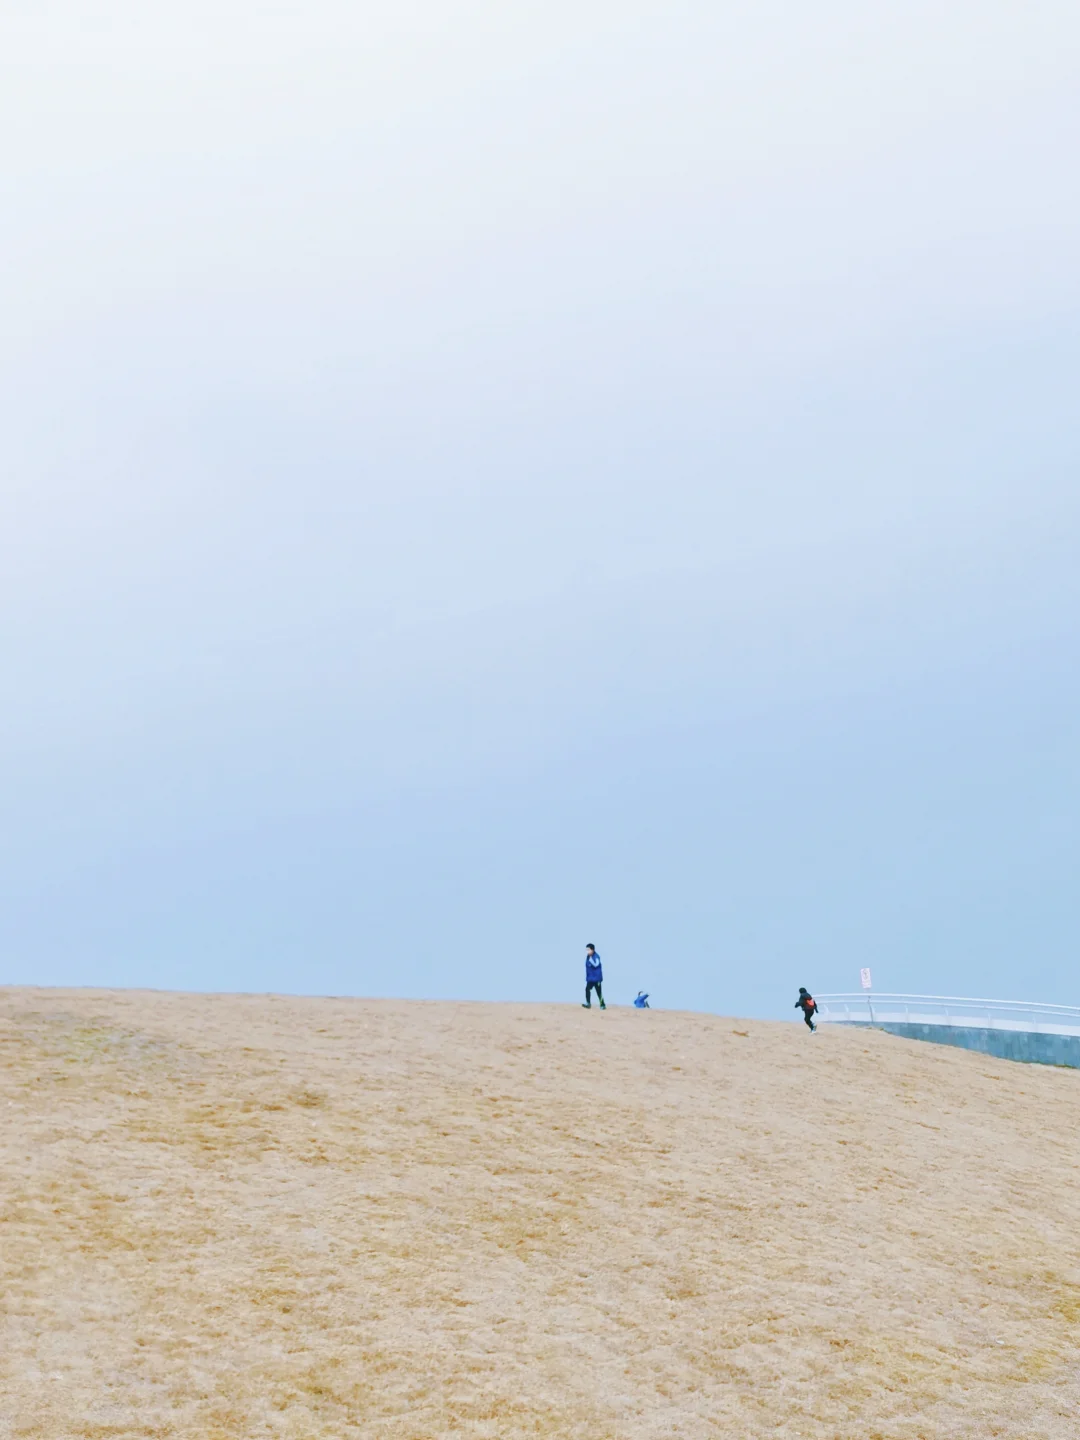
<point>482,477</point>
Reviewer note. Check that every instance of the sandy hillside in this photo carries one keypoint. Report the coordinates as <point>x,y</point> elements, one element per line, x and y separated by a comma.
<point>321,1218</point>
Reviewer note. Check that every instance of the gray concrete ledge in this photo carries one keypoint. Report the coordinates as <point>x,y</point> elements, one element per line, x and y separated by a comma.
<point>1030,1046</point>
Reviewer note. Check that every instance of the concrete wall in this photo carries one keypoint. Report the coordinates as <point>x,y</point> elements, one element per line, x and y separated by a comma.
<point>1026,1045</point>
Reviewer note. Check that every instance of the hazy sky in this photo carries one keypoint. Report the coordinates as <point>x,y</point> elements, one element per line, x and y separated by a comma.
<point>482,477</point>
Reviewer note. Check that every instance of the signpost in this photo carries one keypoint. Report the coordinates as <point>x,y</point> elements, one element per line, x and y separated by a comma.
<point>864,978</point>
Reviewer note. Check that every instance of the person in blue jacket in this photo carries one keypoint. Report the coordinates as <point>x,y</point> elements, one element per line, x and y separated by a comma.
<point>594,978</point>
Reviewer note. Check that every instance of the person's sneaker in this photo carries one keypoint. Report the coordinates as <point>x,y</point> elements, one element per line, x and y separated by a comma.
<point>603,1004</point>
<point>585,1006</point>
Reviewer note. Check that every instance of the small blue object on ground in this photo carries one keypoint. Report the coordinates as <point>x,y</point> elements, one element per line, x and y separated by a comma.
<point>642,1001</point>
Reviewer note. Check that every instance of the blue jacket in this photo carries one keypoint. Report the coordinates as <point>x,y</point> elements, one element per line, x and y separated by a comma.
<point>594,973</point>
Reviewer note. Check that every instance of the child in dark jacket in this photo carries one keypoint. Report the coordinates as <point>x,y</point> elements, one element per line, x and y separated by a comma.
<point>808,1005</point>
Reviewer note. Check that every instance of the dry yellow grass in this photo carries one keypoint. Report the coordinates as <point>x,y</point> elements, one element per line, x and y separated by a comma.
<point>255,1216</point>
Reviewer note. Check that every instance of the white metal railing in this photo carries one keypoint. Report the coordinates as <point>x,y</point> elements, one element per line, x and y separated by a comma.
<point>866,1007</point>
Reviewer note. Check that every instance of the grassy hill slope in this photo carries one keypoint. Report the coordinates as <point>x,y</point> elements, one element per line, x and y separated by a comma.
<point>259,1216</point>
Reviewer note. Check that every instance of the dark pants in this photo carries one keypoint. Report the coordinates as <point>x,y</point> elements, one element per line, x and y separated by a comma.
<point>808,1016</point>
<point>590,986</point>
